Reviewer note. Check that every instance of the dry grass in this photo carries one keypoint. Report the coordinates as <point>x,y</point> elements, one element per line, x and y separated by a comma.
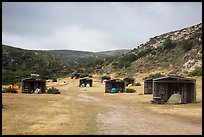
<point>45,114</point>
<point>74,111</point>
<point>192,112</point>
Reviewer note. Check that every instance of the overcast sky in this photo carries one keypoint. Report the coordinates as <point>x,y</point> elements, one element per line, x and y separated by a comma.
<point>93,26</point>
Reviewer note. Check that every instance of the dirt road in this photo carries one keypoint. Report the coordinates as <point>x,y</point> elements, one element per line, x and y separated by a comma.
<point>123,119</point>
<point>89,111</point>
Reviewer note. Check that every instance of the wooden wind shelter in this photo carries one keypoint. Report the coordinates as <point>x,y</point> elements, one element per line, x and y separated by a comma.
<point>29,85</point>
<point>164,87</point>
<point>148,85</point>
<point>85,82</point>
<point>114,83</point>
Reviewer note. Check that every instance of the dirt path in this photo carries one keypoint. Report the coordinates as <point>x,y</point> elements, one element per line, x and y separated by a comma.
<point>87,111</point>
<point>132,120</point>
<point>122,119</point>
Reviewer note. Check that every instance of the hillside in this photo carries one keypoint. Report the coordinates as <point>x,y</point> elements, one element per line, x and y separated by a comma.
<point>75,59</point>
<point>178,51</point>
<point>113,53</point>
<point>20,63</point>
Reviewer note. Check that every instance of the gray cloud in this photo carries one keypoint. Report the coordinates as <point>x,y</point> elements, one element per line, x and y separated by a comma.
<point>93,26</point>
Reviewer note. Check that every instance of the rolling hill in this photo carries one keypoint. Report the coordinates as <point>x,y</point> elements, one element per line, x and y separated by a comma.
<point>20,63</point>
<point>75,59</point>
<point>178,51</point>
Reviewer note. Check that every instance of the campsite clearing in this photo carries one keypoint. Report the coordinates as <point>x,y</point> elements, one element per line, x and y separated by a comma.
<point>89,110</point>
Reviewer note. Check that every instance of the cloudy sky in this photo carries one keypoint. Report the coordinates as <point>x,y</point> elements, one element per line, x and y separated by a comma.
<point>93,26</point>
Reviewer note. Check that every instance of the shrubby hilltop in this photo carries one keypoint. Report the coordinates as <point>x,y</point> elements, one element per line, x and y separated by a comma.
<point>178,51</point>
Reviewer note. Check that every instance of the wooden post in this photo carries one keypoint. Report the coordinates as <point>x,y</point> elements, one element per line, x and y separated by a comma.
<point>22,86</point>
<point>153,89</point>
<point>194,92</point>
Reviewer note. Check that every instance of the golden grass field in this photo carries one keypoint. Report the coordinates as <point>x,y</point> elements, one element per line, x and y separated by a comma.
<point>80,110</point>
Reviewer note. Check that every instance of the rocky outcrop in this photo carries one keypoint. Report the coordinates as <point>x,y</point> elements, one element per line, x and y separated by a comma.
<point>191,65</point>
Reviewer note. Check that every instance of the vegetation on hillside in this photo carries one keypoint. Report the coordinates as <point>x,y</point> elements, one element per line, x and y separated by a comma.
<point>19,63</point>
<point>126,60</point>
<point>76,59</point>
<point>168,44</point>
<point>168,51</point>
<point>196,72</point>
<point>156,75</point>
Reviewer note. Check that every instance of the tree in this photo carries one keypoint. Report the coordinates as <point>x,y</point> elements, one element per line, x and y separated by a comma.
<point>168,44</point>
<point>196,72</point>
<point>186,45</point>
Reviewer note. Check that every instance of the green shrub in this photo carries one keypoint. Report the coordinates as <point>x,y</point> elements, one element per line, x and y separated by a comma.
<point>186,45</point>
<point>148,50</point>
<point>85,75</point>
<point>130,90</point>
<point>122,64</point>
<point>52,91</point>
<point>154,52</point>
<point>196,72</point>
<point>140,54</point>
<point>54,79</point>
<point>128,57</point>
<point>125,60</point>
<point>137,84</point>
<point>168,44</point>
<point>9,90</point>
<point>120,75</point>
<point>157,75</point>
